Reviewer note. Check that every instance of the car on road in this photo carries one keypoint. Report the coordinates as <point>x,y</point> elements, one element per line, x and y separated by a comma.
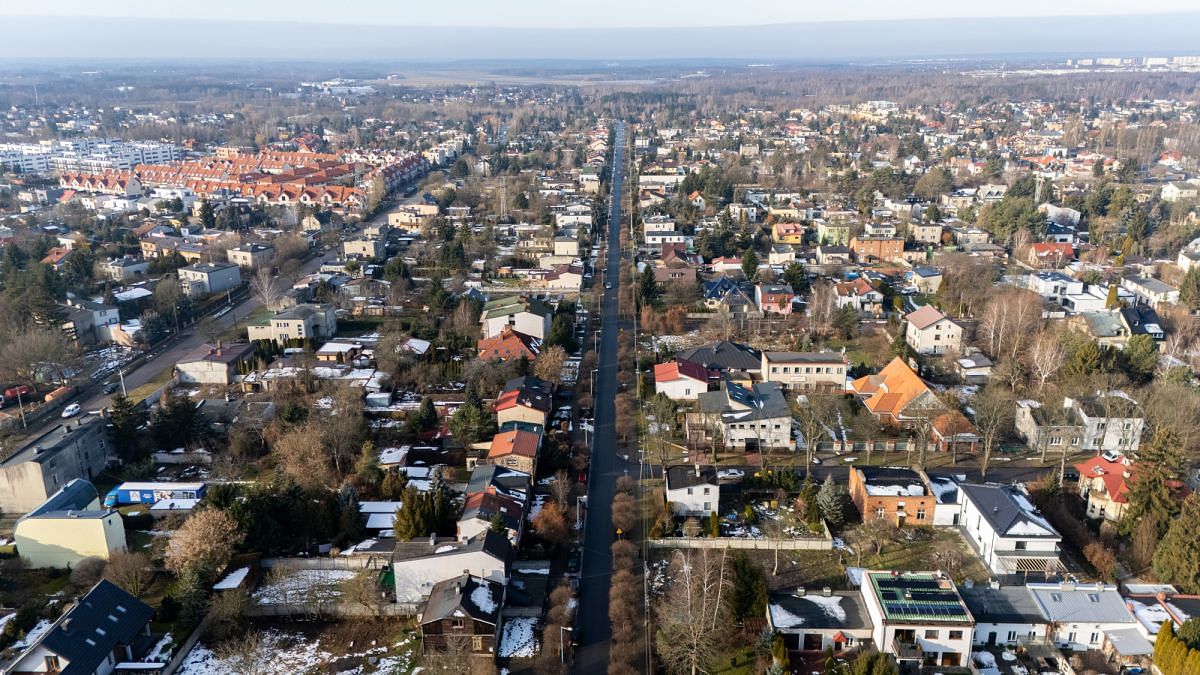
<point>607,284</point>
<point>731,474</point>
<point>816,460</point>
<point>1070,474</point>
<point>71,410</point>
<point>573,562</point>
<point>110,387</point>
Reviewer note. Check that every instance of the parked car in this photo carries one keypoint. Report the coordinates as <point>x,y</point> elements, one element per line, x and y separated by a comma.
<point>110,387</point>
<point>71,410</point>
<point>731,474</point>
<point>573,562</point>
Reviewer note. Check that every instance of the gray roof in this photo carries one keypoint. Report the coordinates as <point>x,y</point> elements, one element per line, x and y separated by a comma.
<point>809,611</point>
<point>76,495</point>
<point>456,597</point>
<point>805,357</point>
<point>1152,285</point>
<point>1007,604</point>
<point>495,545</point>
<point>1008,511</point>
<point>508,482</point>
<point>764,401</point>
<point>50,443</point>
<point>684,476</point>
<point>724,355</point>
<point>103,619</point>
<point>1091,603</point>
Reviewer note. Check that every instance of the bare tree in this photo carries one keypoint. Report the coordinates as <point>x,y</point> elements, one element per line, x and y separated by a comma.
<point>993,417</point>
<point>1046,357</point>
<point>561,488</point>
<point>689,611</point>
<point>246,654</point>
<point>364,590</point>
<point>267,288</point>
<point>549,364</point>
<point>815,413</point>
<point>300,454</point>
<point>130,570</point>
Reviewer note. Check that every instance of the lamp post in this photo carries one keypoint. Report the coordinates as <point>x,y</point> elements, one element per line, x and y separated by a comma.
<point>561,650</point>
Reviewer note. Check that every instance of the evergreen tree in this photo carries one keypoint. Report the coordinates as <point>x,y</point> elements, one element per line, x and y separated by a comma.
<point>1140,357</point>
<point>750,264</point>
<point>497,524</point>
<point>1189,289</point>
<point>1177,558</point>
<point>124,419</point>
<point>647,287</point>
<point>394,484</point>
<point>831,500</point>
<point>367,468</point>
<point>207,217</point>
<point>1112,301</point>
<point>795,276</point>
<point>749,597</point>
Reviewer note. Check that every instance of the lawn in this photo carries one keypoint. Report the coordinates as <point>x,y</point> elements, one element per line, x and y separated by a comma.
<point>139,394</point>
<point>740,662</point>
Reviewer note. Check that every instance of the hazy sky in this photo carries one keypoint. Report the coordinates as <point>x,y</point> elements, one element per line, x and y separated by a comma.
<point>574,13</point>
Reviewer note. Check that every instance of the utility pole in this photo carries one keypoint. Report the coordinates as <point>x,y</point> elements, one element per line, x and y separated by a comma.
<point>121,374</point>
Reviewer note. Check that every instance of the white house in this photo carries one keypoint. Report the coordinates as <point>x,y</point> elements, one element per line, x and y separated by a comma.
<point>209,278</point>
<point>693,490</point>
<point>421,563</point>
<point>1004,615</point>
<point>1151,291</point>
<point>530,317</point>
<point>680,380</point>
<point>1006,531</point>
<point>1080,614</point>
<point>918,617</point>
<point>931,332</point>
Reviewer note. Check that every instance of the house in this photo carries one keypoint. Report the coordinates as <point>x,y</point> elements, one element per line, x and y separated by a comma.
<point>930,332</point>
<point>214,364</point>
<point>1049,255</point>
<point>833,254</point>
<point>337,351</point>
<point>1079,615</point>
<point>1106,327</point>
<point>209,278</point>
<point>465,610</point>
<point>919,618</point>
<point>743,418</point>
<point>522,405</point>
<point>1177,191</point>
<point>420,564</point>
<point>973,369</point>
<point>105,628</point>
<point>251,256</point>
<point>730,359</point>
<point>724,294</point>
<point>1007,532</point>
<point>1005,616</point>
<point>363,248</point>
<point>507,345</point>
<point>949,498</point>
<point>529,316</point>
<point>125,269</point>
<point>951,431</point>
<point>693,490</point>
<point>516,449</point>
<point>1142,320</point>
<point>835,233</point>
<point>877,249</point>
<point>813,622</point>
<point>1104,482</point>
<point>301,322</point>
<point>77,448</point>
<point>1151,292</point>
<point>859,294</point>
<point>481,510</point>
<point>897,395</point>
<point>1101,423</point>
<point>68,527</point>
<point>781,254</point>
<point>774,298</point>
<point>787,233</point>
<point>925,279</point>
<point>1053,286</point>
<point>896,494</point>
<point>57,257</point>
<point>806,371</point>
<point>680,380</point>
<point>926,233</point>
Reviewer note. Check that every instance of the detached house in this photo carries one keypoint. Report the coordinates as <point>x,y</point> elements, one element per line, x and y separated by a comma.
<point>743,418</point>
<point>680,380</point>
<point>774,298</point>
<point>897,395</point>
<point>522,405</point>
<point>464,608</point>
<point>1007,531</point>
<point>508,345</point>
<point>919,618</point>
<point>524,315</point>
<point>896,494</point>
<point>516,449</point>
<point>931,332</point>
<point>1049,255</point>
<point>860,295</point>
<point>693,490</point>
<point>806,371</point>
<point>1104,485</point>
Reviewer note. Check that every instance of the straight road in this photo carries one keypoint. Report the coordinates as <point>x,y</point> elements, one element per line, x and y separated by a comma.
<point>596,568</point>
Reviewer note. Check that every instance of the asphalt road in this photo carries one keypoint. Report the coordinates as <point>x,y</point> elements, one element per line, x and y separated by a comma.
<point>594,631</point>
<point>161,357</point>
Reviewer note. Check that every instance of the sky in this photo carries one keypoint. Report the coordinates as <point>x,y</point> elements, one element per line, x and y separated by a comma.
<point>575,13</point>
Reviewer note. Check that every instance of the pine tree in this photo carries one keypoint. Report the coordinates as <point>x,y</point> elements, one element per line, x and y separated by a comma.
<point>831,503</point>
<point>750,264</point>
<point>1189,288</point>
<point>1177,559</point>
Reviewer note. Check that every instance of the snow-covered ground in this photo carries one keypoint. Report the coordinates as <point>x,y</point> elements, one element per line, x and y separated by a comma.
<point>33,635</point>
<point>232,580</point>
<point>519,638</point>
<point>288,653</point>
<point>161,653</point>
<point>303,586</point>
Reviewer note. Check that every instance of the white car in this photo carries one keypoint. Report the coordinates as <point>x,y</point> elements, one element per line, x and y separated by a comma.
<point>730,474</point>
<point>71,410</point>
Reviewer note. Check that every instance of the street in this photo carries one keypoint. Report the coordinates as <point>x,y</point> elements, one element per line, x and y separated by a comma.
<point>592,624</point>
<point>160,358</point>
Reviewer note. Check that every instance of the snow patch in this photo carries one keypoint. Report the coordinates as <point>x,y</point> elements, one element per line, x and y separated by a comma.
<point>482,597</point>
<point>232,580</point>
<point>831,605</point>
<point>781,618</point>
<point>519,638</point>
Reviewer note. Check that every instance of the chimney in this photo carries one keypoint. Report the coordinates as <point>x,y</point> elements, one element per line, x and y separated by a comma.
<point>827,591</point>
<point>432,538</point>
<point>697,469</point>
<point>218,346</point>
<point>800,592</point>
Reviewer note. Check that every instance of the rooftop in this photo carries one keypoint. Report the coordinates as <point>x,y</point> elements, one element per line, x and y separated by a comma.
<point>918,597</point>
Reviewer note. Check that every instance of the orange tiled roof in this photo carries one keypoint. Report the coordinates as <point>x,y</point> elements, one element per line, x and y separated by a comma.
<point>891,390</point>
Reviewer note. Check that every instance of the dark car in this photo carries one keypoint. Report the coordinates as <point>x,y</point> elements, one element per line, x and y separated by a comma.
<point>1070,474</point>
<point>110,387</point>
<point>573,562</point>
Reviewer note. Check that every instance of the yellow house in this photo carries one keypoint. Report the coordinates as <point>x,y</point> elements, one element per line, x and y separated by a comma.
<point>69,527</point>
<point>788,233</point>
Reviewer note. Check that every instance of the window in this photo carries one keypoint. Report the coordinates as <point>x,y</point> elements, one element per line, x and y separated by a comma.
<point>1021,545</point>
<point>708,506</point>
<point>1095,638</point>
<point>931,635</point>
<point>956,635</point>
<point>879,512</point>
<point>1071,636</point>
<point>1012,636</point>
<point>689,491</point>
<point>706,490</point>
<point>457,624</point>
<point>1093,597</point>
<point>920,514</point>
<point>1056,597</point>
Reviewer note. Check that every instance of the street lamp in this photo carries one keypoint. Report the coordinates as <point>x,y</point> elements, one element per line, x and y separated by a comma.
<point>561,651</point>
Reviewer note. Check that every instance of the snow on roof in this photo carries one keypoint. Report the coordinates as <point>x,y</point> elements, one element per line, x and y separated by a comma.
<point>781,618</point>
<point>831,605</point>
<point>175,505</point>
<point>232,580</point>
<point>482,598</point>
<point>915,490</point>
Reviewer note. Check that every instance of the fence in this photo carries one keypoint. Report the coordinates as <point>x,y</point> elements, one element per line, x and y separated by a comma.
<point>345,562</point>
<point>762,544</point>
<point>340,610</point>
<point>186,647</point>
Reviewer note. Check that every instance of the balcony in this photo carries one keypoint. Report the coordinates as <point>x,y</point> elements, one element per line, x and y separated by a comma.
<point>907,650</point>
